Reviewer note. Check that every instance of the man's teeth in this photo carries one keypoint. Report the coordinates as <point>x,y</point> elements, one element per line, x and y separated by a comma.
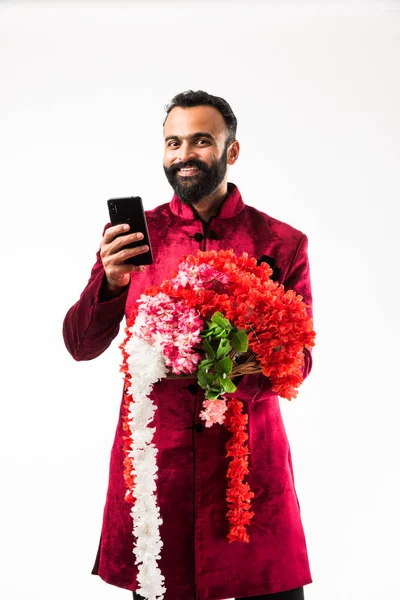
<point>189,169</point>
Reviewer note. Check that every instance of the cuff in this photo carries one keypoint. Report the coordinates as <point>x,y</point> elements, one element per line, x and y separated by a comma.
<point>252,388</point>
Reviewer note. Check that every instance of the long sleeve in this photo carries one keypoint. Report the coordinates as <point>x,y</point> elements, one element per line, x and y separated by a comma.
<point>257,386</point>
<point>90,325</point>
<point>298,279</point>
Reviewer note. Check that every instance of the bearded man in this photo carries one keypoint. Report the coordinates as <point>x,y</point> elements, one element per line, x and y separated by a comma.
<point>206,213</point>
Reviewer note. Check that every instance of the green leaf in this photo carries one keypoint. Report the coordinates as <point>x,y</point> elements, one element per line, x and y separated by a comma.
<point>223,348</point>
<point>209,349</point>
<point>205,364</point>
<point>224,334</point>
<point>240,341</point>
<point>208,330</point>
<point>220,320</point>
<point>205,379</point>
<point>213,393</point>
<point>218,329</point>
<point>228,385</point>
<point>224,365</point>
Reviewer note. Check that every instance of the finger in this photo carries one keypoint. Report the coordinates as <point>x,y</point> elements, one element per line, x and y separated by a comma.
<point>136,268</point>
<point>125,279</point>
<point>124,240</point>
<point>121,275</point>
<point>121,270</point>
<point>111,232</point>
<point>117,230</point>
<point>122,255</point>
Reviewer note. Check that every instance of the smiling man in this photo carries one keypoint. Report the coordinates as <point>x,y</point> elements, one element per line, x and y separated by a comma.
<point>206,212</point>
<point>198,148</point>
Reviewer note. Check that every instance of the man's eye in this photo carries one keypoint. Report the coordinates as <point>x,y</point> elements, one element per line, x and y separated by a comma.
<point>174,143</point>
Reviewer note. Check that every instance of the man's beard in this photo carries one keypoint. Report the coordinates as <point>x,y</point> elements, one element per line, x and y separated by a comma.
<point>193,188</point>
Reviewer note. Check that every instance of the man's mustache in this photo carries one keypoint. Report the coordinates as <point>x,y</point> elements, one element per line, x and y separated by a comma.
<point>187,165</point>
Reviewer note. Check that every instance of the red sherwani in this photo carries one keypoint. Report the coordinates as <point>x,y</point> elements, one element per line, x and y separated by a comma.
<point>197,560</point>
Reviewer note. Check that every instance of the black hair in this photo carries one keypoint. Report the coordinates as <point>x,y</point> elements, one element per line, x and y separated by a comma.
<point>190,98</point>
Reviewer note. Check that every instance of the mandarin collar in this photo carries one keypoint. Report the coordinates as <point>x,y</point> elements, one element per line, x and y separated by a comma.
<point>231,207</point>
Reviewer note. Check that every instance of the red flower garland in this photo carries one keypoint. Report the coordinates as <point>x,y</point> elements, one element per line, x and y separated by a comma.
<point>127,398</point>
<point>275,319</point>
<point>238,494</point>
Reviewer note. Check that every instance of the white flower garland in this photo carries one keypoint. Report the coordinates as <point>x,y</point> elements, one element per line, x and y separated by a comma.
<point>146,366</point>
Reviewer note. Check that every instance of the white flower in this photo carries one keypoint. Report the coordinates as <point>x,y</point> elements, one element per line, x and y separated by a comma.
<point>146,366</point>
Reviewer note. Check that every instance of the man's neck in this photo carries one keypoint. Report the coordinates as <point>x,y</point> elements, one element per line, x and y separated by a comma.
<point>210,205</point>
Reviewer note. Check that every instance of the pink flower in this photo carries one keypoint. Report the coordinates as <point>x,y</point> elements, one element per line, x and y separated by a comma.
<point>197,277</point>
<point>214,412</point>
<point>173,325</point>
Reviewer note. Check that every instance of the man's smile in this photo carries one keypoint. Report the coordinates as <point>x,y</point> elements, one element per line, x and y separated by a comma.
<point>188,171</point>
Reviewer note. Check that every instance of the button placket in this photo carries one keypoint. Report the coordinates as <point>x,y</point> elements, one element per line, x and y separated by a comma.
<point>199,426</point>
<point>213,235</point>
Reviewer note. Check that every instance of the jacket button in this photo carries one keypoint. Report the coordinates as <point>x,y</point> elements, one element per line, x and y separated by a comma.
<point>199,427</point>
<point>199,237</point>
<point>192,388</point>
<point>212,235</point>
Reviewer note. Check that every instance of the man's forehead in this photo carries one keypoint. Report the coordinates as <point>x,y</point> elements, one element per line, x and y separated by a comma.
<point>185,122</point>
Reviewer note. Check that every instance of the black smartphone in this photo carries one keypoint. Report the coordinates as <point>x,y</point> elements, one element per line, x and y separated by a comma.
<point>130,210</point>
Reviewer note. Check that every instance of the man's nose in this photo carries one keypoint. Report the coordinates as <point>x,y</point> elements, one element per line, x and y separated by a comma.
<point>186,152</point>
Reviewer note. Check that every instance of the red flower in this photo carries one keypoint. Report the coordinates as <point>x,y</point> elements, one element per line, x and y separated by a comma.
<point>238,494</point>
<point>127,399</point>
<point>277,322</point>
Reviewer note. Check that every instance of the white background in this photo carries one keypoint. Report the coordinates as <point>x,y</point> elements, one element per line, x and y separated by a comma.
<point>315,88</point>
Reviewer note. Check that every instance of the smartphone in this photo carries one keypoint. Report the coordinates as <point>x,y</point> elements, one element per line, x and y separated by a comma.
<point>130,210</point>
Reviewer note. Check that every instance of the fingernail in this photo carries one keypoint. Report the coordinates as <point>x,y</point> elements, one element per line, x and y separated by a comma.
<point>126,227</point>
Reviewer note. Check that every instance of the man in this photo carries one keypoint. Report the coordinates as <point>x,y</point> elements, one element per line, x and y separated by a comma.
<point>206,212</point>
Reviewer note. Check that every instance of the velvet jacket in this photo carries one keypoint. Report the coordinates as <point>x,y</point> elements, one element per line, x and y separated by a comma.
<point>197,560</point>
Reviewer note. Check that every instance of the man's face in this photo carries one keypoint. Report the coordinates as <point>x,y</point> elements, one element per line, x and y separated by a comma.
<point>195,137</point>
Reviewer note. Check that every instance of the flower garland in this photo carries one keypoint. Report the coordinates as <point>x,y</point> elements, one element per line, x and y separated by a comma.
<point>220,306</point>
<point>161,334</point>
<point>142,464</point>
<point>238,493</point>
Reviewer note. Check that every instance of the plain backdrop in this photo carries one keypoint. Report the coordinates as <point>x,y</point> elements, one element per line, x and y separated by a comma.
<point>315,88</point>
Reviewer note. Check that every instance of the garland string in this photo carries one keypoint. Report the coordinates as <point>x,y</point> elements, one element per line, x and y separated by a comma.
<point>238,493</point>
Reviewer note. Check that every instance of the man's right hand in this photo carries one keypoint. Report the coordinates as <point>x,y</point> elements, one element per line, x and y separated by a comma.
<point>117,273</point>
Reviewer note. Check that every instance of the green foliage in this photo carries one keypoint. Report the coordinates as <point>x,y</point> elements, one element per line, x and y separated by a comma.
<point>228,385</point>
<point>220,343</point>
<point>208,348</point>
<point>223,349</point>
<point>224,365</point>
<point>220,320</point>
<point>205,380</point>
<point>240,341</point>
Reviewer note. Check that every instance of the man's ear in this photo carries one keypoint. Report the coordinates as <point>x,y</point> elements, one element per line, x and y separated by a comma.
<point>233,152</point>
